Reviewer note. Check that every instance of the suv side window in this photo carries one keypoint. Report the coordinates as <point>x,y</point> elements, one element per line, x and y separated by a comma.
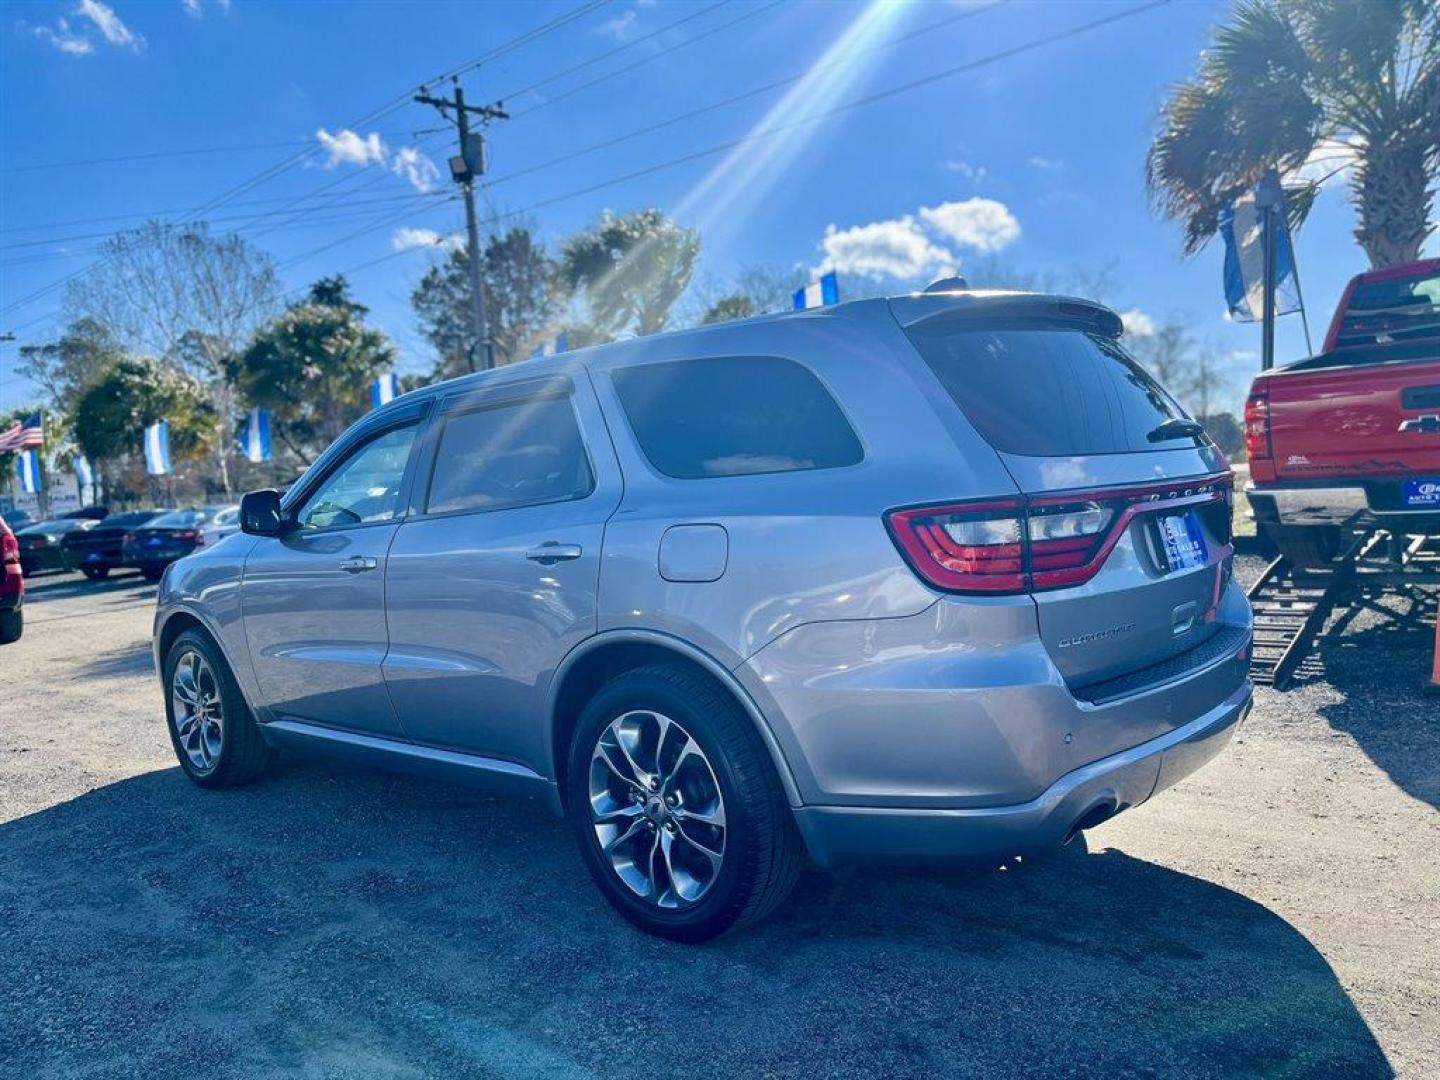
<point>365,488</point>
<point>734,416</point>
<point>513,453</point>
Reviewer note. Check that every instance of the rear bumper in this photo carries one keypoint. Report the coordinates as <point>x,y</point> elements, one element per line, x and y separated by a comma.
<point>1310,506</point>
<point>850,834</point>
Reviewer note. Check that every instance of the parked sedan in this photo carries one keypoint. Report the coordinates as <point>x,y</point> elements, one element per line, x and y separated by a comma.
<point>97,551</point>
<point>160,541</point>
<point>223,524</point>
<point>40,548</point>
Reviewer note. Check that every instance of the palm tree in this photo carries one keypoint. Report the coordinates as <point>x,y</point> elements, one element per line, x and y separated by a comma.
<point>1312,88</point>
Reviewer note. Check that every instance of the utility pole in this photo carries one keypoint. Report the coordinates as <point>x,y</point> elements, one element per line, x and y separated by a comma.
<point>464,168</point>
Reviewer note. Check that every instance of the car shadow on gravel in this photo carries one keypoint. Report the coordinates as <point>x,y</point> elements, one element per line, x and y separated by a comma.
<point>1381,669</point>
<point>337,921</point>
<point>132,660</point>
<point>68,585</point>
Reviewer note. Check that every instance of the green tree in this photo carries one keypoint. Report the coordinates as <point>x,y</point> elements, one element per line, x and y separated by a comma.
<point>63,368</point>
<point>628,271</point>
<point>519,301</point>
<point>756,291</point>
<point>1286,82</point>
<point>110,415</point>
<point>312,368</point>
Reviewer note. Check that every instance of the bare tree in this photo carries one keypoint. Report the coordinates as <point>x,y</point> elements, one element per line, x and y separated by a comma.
<point>181,293</point>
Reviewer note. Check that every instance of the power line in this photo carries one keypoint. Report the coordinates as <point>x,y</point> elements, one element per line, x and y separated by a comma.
<point>375,114</point>
<point>616,140</point>
<point>155,155</point>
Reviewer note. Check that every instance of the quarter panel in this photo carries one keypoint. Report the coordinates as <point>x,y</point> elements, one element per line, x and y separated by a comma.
<point>207,585</point>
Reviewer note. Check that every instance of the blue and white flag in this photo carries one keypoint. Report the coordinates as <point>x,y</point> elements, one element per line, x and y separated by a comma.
<point>255,436</point>
<point>84,474</point>
<point>157,448</point>
<point>551,346</point>
<point>385,389</point>
<point>27,471</point>
<point>1242,229</point>
<point>818,293</point>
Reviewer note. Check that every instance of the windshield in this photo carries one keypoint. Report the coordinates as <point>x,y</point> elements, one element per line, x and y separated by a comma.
<point>128,521</point>
<point>1396,309</point>
<point>177,519</point>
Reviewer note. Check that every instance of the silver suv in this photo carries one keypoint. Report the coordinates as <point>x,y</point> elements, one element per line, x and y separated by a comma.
<point>946,575</point>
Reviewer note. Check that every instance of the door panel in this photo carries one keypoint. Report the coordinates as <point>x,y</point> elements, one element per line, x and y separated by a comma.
<point>485,600</point>
<point>314,599</point>
<point>317,629</point>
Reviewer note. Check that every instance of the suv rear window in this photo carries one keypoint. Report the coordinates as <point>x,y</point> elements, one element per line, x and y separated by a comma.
<point>734,416</point>
<point>1048,391</point>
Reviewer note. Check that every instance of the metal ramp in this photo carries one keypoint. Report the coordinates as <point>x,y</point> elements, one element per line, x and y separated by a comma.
<point>1292,604</point>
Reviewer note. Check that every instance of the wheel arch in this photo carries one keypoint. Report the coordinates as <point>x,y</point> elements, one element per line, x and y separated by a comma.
<point>590,665</point>
<point>175,622</point>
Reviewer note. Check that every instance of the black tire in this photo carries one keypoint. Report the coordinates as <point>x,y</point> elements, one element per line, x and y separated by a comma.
<point>762,848</point>
<point>1311,545</point>
<point>244,755</point>
<point>153,574</point>
<point>95,573</point>
<point>12,625</point>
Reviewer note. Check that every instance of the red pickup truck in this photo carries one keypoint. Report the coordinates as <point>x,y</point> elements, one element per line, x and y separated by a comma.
<point>1357,427</point>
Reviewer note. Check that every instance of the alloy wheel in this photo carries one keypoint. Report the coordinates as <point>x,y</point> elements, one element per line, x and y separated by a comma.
<point>657,809</point>
<point>198,716</point>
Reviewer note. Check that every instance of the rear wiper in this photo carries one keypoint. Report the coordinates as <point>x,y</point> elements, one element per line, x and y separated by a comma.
<point>1176,428</point>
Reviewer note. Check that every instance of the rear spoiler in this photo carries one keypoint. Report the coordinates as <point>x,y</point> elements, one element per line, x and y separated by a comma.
<point>931,310</point>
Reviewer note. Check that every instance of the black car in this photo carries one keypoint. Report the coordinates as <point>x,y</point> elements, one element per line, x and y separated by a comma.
<point>95,552</point>
<point>40,543</point>
<point>160,541</point>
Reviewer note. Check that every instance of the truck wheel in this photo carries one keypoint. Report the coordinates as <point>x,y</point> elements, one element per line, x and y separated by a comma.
<point>212,730</point>
<point>12,625</point>
<point>676,807</point>
<point>1313,545</point>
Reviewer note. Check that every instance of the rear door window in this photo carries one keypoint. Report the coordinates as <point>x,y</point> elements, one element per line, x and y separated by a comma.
<point>734,416</point>
<point>517,453</point>
<point>1048,391</point>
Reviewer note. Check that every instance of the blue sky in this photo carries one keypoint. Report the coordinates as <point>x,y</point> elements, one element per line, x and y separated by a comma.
<point>1034,159</point>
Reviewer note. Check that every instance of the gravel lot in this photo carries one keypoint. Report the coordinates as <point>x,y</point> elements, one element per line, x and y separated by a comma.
<point>1276,913</point>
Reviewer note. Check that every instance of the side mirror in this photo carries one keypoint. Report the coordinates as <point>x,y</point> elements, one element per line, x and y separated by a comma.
<point>260,513</point>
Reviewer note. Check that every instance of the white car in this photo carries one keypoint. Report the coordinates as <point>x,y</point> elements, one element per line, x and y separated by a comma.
<point>219,526</point>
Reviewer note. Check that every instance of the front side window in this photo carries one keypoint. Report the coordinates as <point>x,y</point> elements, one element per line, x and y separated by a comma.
<point>520,453</point>
<point>734,416</point>
<point>365,488</point>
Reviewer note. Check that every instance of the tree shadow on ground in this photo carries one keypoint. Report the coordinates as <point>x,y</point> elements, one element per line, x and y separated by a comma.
<point>132,660</point>
<point>1381,669</point>
<point>338,921</point>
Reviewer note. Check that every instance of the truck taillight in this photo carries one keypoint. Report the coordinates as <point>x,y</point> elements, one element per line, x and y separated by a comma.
<point>1257,426</point>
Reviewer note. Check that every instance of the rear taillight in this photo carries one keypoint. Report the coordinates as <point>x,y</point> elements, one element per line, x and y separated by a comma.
<point>970,547</point>
<point>39,540</point>
<point>9,549</point>
<point>1063,540</point>
<point>1257,426</point>
<point>1034,543</point>
<point>188,534</point>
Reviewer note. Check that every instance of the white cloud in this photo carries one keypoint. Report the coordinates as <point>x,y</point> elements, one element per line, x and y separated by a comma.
<point>984,225</point>
<point>192,8</point>
<point>976,174</point>
<point>897,248</point>
<point>414,167</point>
<point>410,238</point>
<point>108,23</point>
<point>1137,323</point>
<point>1328,164</point>
<point>621,27</point>
<point>1050,165</point>
<point>346,147</point>
<point>69,43</point>
<point>78,37</point>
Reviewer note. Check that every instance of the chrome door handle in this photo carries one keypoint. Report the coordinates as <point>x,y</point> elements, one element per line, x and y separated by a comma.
<point>359,564</point>
<point>1425,425</point>
<point>552,551</point>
